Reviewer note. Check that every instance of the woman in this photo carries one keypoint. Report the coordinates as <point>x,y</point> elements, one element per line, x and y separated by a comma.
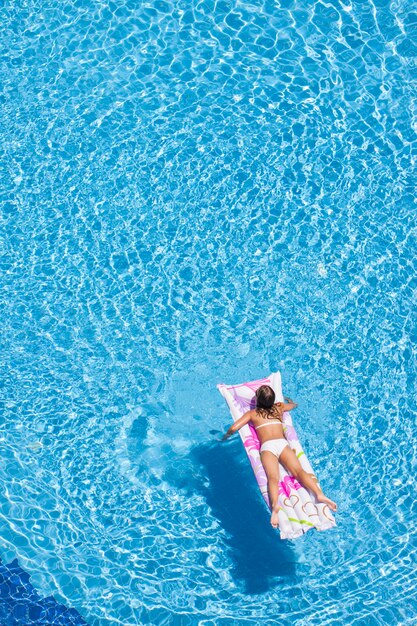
<point>267,420</point>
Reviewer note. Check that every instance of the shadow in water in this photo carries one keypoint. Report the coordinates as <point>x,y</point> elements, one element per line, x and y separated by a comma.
<point>231,491</point>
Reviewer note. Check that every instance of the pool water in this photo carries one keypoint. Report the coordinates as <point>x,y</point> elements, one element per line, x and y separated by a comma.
<point>192,193</point>
<point>21,604</point>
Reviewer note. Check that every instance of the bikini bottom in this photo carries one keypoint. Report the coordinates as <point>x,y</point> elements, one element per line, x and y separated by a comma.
<point>276,446</point>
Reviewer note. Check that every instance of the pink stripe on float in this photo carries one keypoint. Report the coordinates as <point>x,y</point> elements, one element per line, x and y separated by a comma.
<point>261,380</point>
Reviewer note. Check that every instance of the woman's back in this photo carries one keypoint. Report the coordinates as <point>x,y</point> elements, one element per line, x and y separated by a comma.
<point>268,422</point>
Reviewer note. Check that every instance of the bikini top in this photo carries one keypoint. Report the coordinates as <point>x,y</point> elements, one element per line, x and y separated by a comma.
<point>270,421</point>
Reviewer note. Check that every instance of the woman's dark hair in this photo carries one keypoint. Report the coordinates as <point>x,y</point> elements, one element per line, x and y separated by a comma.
<point>265,397</point>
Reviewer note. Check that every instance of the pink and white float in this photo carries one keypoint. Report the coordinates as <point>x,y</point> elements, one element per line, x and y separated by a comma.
<point>299,509</point>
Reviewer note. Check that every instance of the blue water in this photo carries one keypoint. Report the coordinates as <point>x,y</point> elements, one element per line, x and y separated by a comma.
<point>20,602</point>
<point>199,192</point>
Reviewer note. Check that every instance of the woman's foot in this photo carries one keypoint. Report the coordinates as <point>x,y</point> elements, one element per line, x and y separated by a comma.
<point>274,517</point>
<point>324,500</point>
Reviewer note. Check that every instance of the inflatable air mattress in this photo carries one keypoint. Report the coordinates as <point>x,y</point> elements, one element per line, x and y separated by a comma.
<point>299,509</point>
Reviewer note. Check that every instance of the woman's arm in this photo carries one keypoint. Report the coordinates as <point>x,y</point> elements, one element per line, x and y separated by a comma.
<point>289,405</point>
<point>246,417</point>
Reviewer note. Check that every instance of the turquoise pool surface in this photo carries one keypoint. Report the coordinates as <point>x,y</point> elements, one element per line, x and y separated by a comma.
<point>192,193</point>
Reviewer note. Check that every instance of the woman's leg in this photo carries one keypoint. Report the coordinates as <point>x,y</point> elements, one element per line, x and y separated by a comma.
<point>270,464</point>
<point>293,467</point>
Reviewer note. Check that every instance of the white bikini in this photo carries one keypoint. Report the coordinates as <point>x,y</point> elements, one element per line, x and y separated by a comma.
<point>276,446</point>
